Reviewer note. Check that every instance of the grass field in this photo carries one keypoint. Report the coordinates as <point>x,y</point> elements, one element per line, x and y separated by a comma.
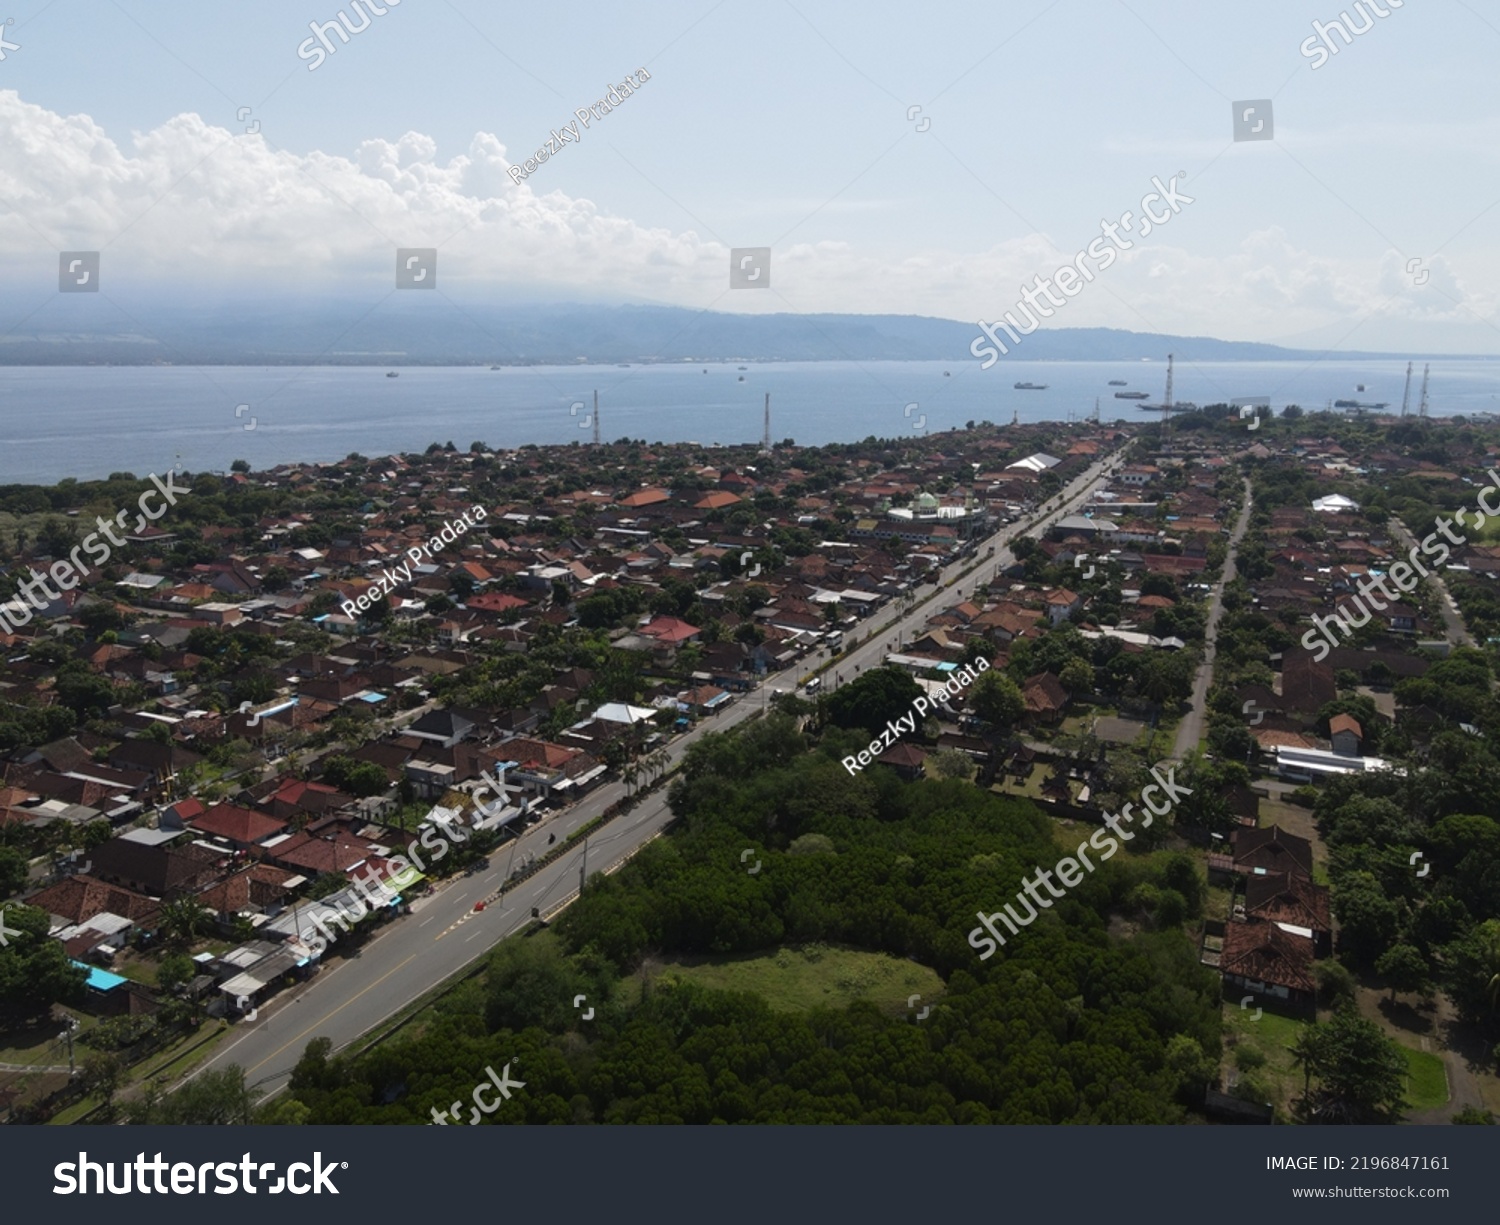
<point>1269,1038</point>
<point>1272,1036</point>
<point>810,976</point>
<point>1426,1081</point>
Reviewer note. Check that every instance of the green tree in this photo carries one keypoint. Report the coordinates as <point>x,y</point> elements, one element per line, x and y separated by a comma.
<point>1472,974</point>
<point>950,763</point>
<point>1405,971</point>
<point>1077,676</point>
<point>356,778</point>
<point>532,983</point>
<point>880,696</point>
<point>183,920</point>
<point>35,971</point>
<point>1360,1074</point>
<point>997,699</point>
<point>1194,1070</point>
<point>175,971</point>
<point>13,871</point>
<point>1369,919</point>
<point>100,1074</point>
<point>210,1099</point>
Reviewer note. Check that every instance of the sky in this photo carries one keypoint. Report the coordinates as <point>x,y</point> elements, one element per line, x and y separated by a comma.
<point>1366,222</point>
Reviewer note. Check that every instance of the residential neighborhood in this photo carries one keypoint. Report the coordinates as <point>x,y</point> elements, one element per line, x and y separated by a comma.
<point>284,725</point>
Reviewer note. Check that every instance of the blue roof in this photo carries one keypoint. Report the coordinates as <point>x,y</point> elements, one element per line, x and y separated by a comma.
<point>101,980</point>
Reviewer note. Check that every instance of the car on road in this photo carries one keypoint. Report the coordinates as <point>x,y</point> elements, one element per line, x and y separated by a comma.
<point>813,685</point>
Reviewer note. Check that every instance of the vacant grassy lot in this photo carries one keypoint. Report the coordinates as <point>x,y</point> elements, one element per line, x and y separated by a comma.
<point>1271,1038</point>
<point>809,976</point>
<point>1268,1065</point>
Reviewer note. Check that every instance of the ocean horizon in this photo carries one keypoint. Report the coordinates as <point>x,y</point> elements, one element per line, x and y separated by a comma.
<point>88,421</point>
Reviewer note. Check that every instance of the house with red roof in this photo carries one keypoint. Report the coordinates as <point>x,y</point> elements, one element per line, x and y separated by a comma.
<point>296,796</point>
<point>1267,959</point>
<point>645,497</point>
<point>494,603</point>
<point>670,631</point>
<point>242,828</point>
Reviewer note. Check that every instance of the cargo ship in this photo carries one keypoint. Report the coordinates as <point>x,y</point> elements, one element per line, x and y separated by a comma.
<point>1132,395</point>
<point>1031,387</point>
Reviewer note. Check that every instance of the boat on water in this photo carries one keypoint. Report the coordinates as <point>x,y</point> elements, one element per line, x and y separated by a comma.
<point>1359,387</point>
<point>742,367</point>
<point>1117,383</point>
<point>494,367</point>
<point>391,374</point>
<point>1131,395</point>
<point>1359,404</point>
<point>946,375</point>
<point>742,378</point>
<point>623,365</point>
<point>1031,387</point>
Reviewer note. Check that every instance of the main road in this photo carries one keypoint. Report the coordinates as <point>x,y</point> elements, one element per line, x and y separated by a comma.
<point>409,956</point>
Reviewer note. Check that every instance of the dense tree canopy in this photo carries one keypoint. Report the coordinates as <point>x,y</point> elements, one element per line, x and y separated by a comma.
<point>1064,1026</point>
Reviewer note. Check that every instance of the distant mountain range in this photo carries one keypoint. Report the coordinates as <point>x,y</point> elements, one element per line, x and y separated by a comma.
<point>416,328</point>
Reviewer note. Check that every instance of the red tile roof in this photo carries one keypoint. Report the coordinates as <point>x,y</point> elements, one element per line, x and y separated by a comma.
<point>237,824</point>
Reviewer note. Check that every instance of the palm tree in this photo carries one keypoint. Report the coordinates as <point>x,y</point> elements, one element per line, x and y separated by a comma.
<point>1307,1053</point>
<point>658,762</point>
<point>1490,934</point>
<point>183,919</point>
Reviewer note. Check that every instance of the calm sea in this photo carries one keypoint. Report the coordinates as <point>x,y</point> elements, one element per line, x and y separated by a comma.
<point>86,422</point>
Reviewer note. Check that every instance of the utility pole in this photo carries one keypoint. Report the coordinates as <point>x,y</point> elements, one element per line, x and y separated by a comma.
<point>583,868</point>
<point>765,440</point>
<point>514,842</point>
<point>1406,395</point>
<point>1422,410</point>
<point>596,418</point>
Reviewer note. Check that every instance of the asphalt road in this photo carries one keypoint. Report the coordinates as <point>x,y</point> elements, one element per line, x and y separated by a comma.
<point>1190,730</point>
<point>411,954</point>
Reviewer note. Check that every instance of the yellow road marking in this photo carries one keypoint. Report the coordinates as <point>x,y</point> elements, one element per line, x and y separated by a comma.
<point>328,1018</point>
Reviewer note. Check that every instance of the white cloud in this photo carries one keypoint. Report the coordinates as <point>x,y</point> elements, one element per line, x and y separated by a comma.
<point>190,201</point>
